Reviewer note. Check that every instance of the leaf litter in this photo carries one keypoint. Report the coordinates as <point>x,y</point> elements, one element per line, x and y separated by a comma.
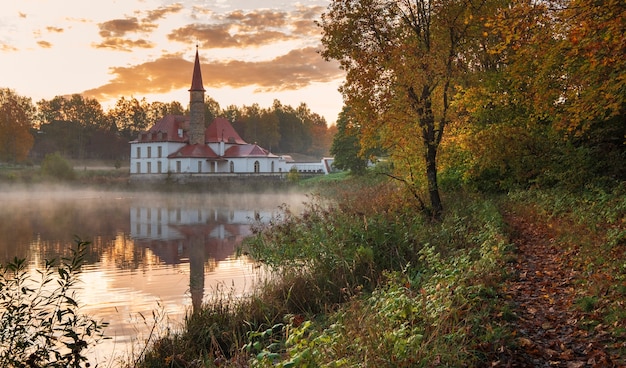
<point>549,329</point>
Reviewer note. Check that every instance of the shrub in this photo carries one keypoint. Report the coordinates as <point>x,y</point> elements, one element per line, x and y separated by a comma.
<point>40,325</point>
<point>55,166</point>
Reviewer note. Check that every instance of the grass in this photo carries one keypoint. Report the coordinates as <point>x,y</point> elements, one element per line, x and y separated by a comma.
<point>358,277</point>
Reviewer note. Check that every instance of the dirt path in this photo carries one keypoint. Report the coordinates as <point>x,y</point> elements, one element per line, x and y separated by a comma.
<point>542,291</point>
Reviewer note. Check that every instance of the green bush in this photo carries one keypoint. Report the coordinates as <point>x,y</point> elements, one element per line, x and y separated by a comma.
<point>40,325</point>
<point>55,166</point>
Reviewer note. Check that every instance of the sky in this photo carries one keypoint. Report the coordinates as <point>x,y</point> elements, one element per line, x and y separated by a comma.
<point>251,51</point>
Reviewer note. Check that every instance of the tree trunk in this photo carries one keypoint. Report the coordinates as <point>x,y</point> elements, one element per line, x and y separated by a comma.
<point>433,186</point>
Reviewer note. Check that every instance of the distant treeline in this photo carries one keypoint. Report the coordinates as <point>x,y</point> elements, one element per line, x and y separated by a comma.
<point>78,127</point>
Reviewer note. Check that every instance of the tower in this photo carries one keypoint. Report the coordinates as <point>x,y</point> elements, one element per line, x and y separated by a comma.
<point>196,105</point>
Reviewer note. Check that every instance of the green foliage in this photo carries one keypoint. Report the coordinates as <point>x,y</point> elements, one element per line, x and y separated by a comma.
<point>40,323</point>
<point>55,166</point>
<point>410,289</point>
<point>346,147</point>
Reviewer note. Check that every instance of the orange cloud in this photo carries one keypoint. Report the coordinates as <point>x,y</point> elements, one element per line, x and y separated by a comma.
<point>219,36</point>
<point>51,29</point>
<point>163,11</point>
<point>119,27</point>
<point>123,44</point>
<point>291,71</point>
<point>112,32</point>
<point>258,20</point>
<point>4,47</point>
<point>44,44</point>
<point>251,29</point>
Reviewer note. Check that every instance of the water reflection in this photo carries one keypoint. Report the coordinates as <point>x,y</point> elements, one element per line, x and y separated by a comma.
<point>148,251</point>
<point>200,236</point>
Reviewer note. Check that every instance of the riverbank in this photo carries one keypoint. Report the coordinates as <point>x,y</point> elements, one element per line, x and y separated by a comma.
<point>361,279</point>
<point>99,175</point>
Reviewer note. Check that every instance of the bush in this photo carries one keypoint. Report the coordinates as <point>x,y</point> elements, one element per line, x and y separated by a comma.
<point>39,321</point>
<point>55,166</point>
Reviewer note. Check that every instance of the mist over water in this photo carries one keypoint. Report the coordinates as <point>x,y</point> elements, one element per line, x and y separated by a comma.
<point>150,251</point>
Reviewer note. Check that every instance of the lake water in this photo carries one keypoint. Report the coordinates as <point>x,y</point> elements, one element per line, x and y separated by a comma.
<point>151,254</point>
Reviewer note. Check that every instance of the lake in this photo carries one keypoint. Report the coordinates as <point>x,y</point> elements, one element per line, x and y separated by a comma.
<point>152,255</point>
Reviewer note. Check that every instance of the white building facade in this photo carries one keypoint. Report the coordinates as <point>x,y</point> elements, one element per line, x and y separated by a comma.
<point>179,144</point>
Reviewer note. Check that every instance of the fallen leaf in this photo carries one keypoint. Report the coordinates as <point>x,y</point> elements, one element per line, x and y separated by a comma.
<point>575,364</point>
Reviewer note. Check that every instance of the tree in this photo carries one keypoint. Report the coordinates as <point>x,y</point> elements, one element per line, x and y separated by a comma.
<point>401,59</point>
<point>16,115</point>
<point>130,116</point>
<point>212,110</point>
<point>71,126</point>
<point>346,148</point>
<point>551,109</point>
<point>294,136</point>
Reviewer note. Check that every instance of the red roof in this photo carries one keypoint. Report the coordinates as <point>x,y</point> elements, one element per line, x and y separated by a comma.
<point>194,151</point>
<point>171,128</point>
<point>196,80</point>
<point>248,150</point>
<point>221,130</point>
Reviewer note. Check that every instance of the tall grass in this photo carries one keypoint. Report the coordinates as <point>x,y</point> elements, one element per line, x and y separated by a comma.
<point>412,292</point>
<point>359,278</point>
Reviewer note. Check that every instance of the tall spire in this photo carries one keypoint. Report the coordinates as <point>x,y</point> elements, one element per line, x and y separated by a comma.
<point>196,80</point>
<point>196,105</point>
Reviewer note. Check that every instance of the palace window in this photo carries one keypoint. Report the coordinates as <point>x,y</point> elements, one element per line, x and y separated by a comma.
<point>256,166</point>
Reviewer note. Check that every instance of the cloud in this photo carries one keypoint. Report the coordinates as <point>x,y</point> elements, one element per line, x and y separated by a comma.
<point>294,70</point>
<point>250,29</point>
<point>51,29</point>
<point>44,44</point>
<point>124,44</point>
<point>4,47</point>
<point>220,36</point>
<point>113,32</point>
<point>163,11</point>
<point>260,19</point>
<point>120,27</point>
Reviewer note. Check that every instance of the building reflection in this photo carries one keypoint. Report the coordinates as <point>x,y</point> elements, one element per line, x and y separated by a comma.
<point>202,237</point>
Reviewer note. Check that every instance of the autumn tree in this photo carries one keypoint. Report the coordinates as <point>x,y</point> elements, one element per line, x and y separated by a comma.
<point>16,118</point>
<point>552,108</point>
<point>401,59</point>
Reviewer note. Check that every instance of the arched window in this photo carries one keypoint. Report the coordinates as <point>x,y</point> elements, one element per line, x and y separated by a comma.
<point>272,166</point>
<point>232,167</point>
<point>256,166</point>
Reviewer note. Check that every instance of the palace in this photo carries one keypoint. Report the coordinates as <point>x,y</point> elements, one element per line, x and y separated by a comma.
<point>180,145</point>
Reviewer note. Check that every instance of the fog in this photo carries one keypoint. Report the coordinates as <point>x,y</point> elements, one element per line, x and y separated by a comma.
<point>146,250</point>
